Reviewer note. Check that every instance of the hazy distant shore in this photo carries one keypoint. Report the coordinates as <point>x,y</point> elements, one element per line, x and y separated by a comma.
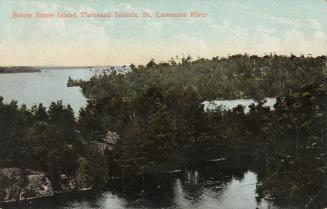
<point>19,70</point>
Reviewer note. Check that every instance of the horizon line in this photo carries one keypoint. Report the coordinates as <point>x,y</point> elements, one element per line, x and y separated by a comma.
<point>308,55</point>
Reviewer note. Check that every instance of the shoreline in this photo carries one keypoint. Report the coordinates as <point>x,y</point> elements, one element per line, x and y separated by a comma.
<point>18,69</point>
<point>56,194</point>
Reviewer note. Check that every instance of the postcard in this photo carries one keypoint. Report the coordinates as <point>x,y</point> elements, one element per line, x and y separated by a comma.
<point>187,104</point>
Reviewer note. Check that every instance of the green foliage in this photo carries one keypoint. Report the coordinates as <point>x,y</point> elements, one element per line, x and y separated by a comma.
<point>238,76</point>
<point>39,139</point>
<point>296,140</point>
<point>84,174</point>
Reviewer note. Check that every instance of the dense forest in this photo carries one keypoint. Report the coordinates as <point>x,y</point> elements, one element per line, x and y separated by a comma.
<point>238,76</point>
<point>158,113</point>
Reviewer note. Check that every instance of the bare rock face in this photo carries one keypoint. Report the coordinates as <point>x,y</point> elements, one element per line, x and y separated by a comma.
<point>111,138</point>
<point>107,144</point>
<point>17,184</point>
<point>10,184</point>
<point>38,186</point>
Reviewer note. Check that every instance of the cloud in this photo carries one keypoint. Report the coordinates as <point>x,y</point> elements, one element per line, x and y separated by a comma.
<point>235,38</point>
<point>94,41</point>
<point>125,7</point>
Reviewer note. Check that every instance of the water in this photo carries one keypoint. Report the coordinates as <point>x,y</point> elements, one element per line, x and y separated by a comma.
<point>230,104</point>
<point>45,87</point>
<point>191,190</point>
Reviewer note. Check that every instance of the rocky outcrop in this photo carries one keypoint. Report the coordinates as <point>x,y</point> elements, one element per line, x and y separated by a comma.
<point>111,138</point>
<point>17,184</point>
<point>106,145</point>
<point>37,186</point>
<point>23,184</point>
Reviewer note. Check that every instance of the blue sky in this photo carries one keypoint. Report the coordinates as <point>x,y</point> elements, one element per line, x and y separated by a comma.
<point>232,26</point>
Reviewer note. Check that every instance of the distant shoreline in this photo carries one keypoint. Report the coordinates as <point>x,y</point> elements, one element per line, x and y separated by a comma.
<point>23,69</point>
<point>18,69</point>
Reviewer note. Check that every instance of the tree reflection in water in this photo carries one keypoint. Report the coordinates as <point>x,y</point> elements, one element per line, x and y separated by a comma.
<point>191,189</point>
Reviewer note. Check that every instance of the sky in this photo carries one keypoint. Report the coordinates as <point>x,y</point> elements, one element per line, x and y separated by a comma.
<point>231,27</point>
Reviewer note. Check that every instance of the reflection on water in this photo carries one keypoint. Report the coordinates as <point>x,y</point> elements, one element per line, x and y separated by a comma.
<point>190,190</point>
<point>45,87</point>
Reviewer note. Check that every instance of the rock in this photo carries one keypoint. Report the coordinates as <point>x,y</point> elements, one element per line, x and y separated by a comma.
<point>23,184</point>
<point>107,144</point>
<point>17,184</point>
<point>38,186</point>
<point>67,183</point>
<point>10,179</point>
<point>111,138</point>
<point>98,148</point>
<point>268,195</point>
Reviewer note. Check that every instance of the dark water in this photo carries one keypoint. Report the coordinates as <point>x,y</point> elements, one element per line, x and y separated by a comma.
<point>189,190</point>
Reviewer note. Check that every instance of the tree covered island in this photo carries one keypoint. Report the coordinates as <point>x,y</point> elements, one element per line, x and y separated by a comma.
<point>18,69</point>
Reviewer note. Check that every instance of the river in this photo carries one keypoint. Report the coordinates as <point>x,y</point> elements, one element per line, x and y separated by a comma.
<point>44,87</point>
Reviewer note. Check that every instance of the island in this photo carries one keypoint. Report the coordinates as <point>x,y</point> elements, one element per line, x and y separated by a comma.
<point>19,69</point>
